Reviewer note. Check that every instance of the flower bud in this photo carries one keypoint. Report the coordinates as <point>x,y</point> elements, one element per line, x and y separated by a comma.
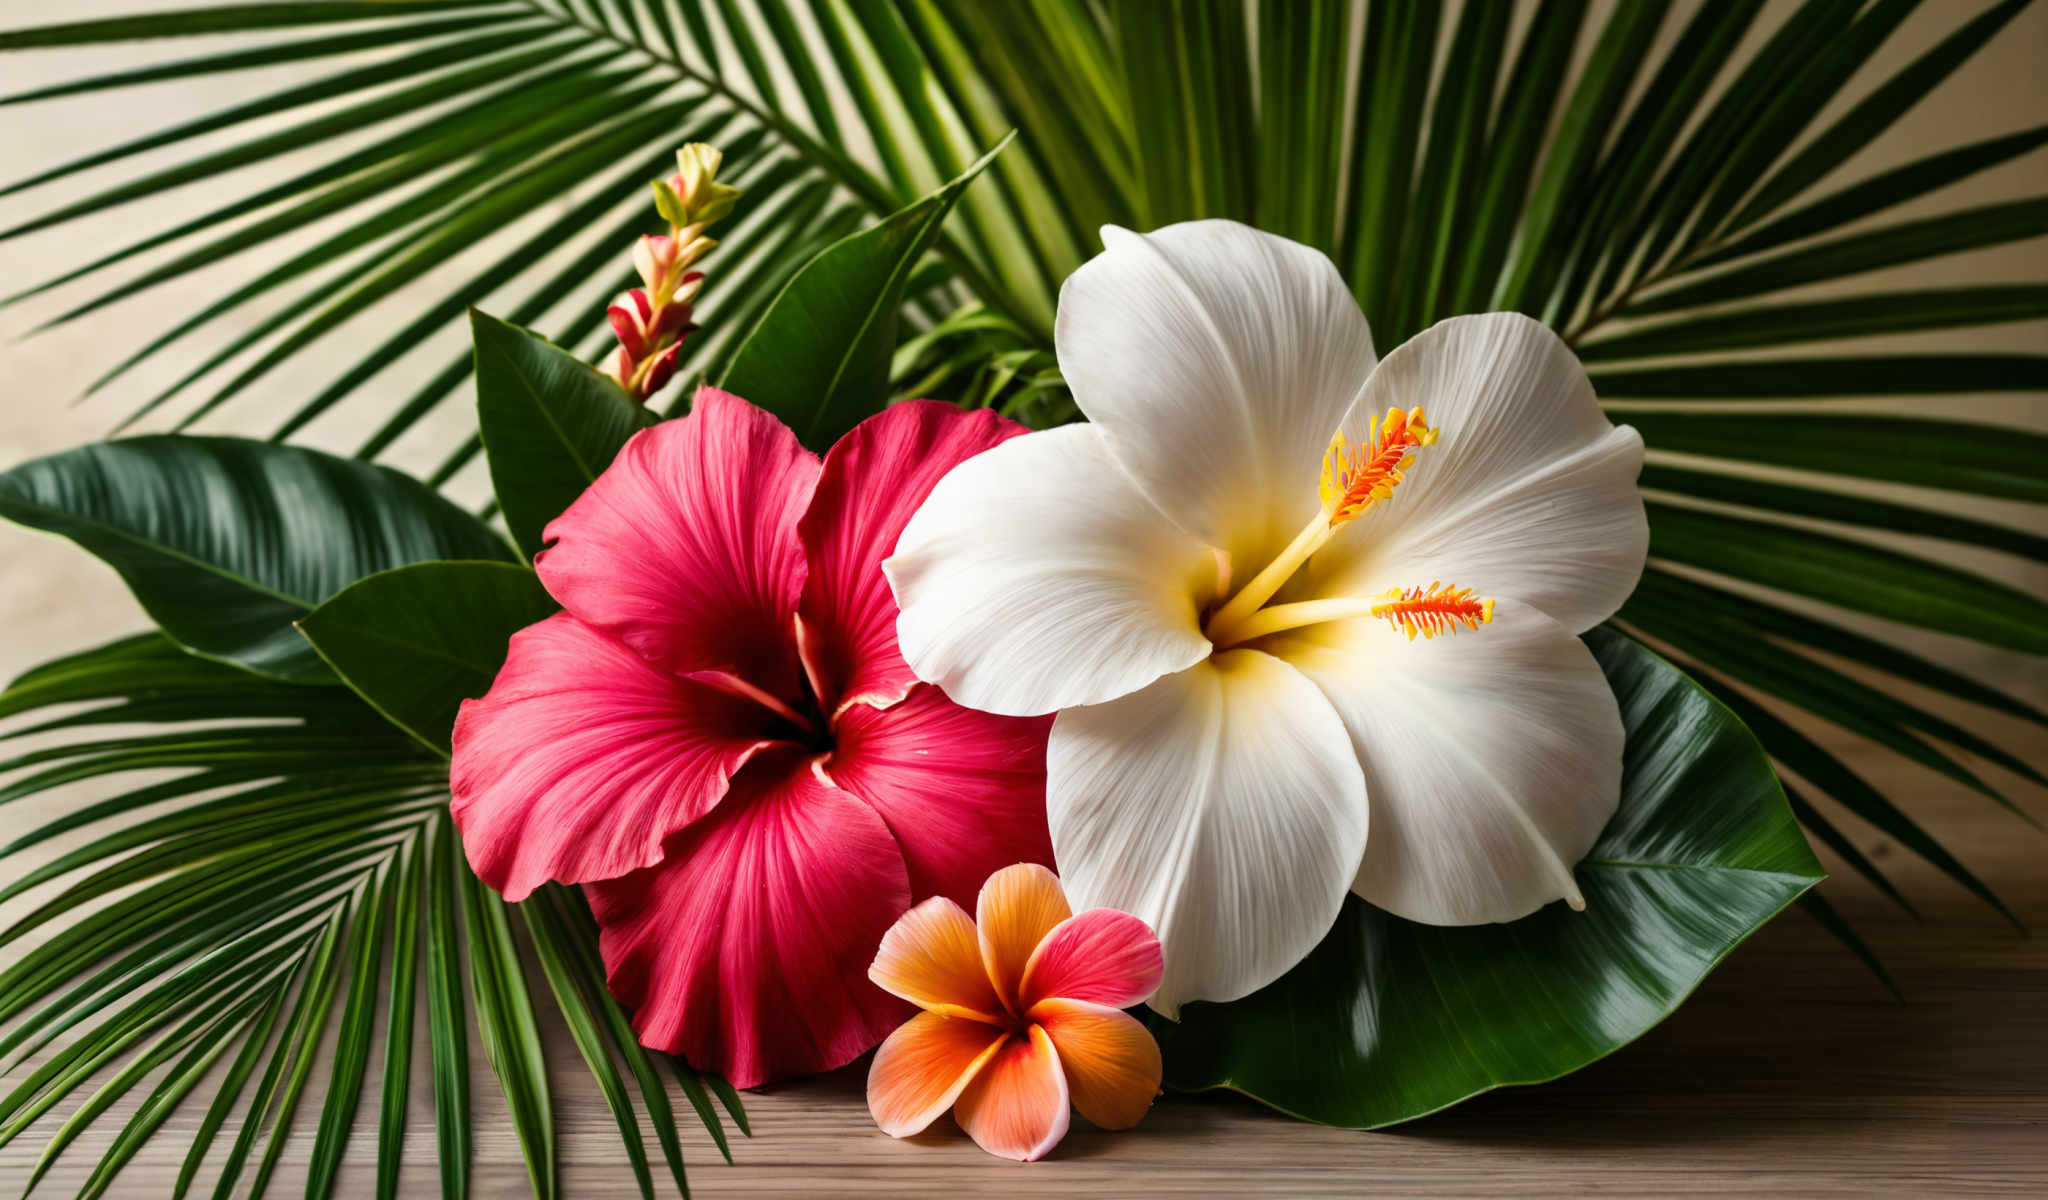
<point>628,316</point>
<point>660,370</point>
<point>701,198</point>
<point>654,257</point>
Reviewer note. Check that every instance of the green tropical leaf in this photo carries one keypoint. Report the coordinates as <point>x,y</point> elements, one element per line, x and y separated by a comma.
<point>245,922</point>
<point>1953,233</point>
<point>1984,460</point>
<point>1775,621</point>
<point>819,357</point>
<point>1830,378</point>
<point>221,18</point>
<point>550,424</point>
<point>1790,500</point>
<point>417,641</point>
<point>1827,773</point>
<point>1822,320</point>
<point>1191,135</point>
<point>1853,574</point>
<point>227,542</point>
<point>1388,1020</point>
<point>1876,113</point>
<point>1880,192</point>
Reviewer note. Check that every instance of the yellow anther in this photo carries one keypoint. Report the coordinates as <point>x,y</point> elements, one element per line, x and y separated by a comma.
<point>1357,477</point>
<point>1433,610</point>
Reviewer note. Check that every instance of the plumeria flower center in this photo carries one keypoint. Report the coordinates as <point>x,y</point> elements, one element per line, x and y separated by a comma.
<point>1355,478</point>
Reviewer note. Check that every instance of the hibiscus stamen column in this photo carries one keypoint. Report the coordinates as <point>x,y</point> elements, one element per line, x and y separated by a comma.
<point>652,321</point>
<point>1354,479</point>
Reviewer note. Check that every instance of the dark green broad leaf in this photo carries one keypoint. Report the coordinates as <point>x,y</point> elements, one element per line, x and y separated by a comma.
<point>1388,1020</point>
<point>819,357</point>
<point>226,541</point>
<point>419,640</point>
<point>550,423</point>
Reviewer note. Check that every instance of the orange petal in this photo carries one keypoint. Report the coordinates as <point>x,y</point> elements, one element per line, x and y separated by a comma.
<point>1019,905</point>
<point>922,1067</point>
<point>932,958</point>
<point>1016,1106</point>
<point>1111,1062</point>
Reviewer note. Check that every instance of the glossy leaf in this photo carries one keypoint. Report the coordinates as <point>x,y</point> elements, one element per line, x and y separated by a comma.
<point>417,641</point>
<point>819,357</point>
<point>226,542</point>
<point>550,424</point>
<point>1827,773</point>
<point>1388,1020</point>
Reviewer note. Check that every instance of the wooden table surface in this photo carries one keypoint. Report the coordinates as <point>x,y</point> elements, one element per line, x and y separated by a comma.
<point>1790,1071</point>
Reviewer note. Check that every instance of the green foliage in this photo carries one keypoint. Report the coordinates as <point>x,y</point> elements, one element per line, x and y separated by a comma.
<point>1388,1020</point>
<point>417,641</point>
<point>819,358</point>
<point>251,900</point>
<point>226,542</point>
<point>550,424</point>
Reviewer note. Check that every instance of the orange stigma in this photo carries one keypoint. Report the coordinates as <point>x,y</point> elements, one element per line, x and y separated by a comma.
<point>1356,478</point>
<point>1433,610</point>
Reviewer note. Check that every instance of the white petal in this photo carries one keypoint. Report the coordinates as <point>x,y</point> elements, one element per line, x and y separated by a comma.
<point>1218,361</point>
<point>1224,806</point>
<point>1529,491</point>
<point>1492,759</point>
<point>1035,577</point>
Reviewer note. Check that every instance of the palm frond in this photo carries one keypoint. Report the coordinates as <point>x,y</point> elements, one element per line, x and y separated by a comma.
<point>303,874</point>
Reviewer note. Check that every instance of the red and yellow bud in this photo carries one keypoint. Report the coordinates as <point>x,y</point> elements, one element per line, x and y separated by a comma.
<point>651,321</point>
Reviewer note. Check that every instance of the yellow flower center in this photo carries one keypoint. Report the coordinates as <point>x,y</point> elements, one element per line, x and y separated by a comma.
<point>1354,479</point>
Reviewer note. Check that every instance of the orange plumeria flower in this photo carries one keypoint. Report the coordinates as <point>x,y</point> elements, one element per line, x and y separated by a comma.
<point>1020,1016</point>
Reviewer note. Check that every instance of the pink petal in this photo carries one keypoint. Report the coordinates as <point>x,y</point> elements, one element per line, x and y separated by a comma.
<point>873,480</point>
<point>631,337</point>
<point>1016,1105</point>
<point>746,950</point>
<point>1102,956</point>
<point>686,547</point>
<point>665,364</point>
<point>962,791</point>
<point>582,758</point>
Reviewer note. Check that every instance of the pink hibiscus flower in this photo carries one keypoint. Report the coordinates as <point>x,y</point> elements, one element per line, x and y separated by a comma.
<point>720,738</point>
